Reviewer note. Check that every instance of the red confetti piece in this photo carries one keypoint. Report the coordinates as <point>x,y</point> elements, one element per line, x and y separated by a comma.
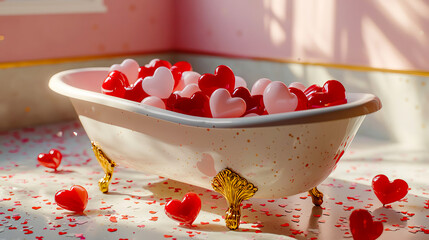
<point>36,208</point>
<point>112,229</point>
<point>285,225</point>
<point>153,219</point>
<point>113,219</point>
<point>168,236</point>
<point>204,223</point>
<point>62,233</point>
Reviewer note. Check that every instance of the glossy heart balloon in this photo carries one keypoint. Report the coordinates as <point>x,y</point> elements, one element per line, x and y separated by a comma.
<point>135,92</point>
<point>51,159</point>
<point>149,69</point>
<point>185,211</point>
<point>161,84</point>
<point>302,99</point>
<point>240,82</point>
<point>177,70</point>
<point>222,105</point>
<point>74,199</point>
<point>115,84</point>
<point>197,105</point>
<point>222,78</point>
<point>129,67</point>
<point>189,77</point>
<point>363,227</point>
<point>278,98</point>
<point>388,192</point>
<point>298,85</point>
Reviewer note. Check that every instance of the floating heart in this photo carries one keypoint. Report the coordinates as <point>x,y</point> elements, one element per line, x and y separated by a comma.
<point>177,70</point>
<point>222,78</point>
<point>185,211</point>
<point>388,192</point>
<point>278,99</point>
<point>197,105</point>
<point>51,159</point>
<point>149,69</point>
<point>363,227</point>
<point>114,84</point>
<point>161,84</point>
<point>154,102</point>
<point>189,90</point>
<point>135,92</point>
<point>222,105</point>
<point>74,199</point>
<point>129,67</point>
<point>259,86</point>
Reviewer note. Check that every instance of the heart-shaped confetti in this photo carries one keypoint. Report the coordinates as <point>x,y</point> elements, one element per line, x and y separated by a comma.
<point>278,98</point>
<point>189,90</point>
<point>222,105</point>
<point>363,227</point>
<point>154,102</point>
<point>332,93</point>
<point>51,159</point>
<point>197,105</point>
<point>161,84</point>
<point>115,84</point>
<point>74,199</point>
<point>222,78</point>
<point>185,211</point>
<point>129,67</point>
<point>135,92</point>
<point>388,192</point>
<point>178,69</point>
<point>254,103</point>
<point>259,86</point>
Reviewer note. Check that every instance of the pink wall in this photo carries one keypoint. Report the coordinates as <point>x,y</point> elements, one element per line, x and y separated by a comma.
<point>390,34</point>
<point>130,26</point>
<point>382,34</point>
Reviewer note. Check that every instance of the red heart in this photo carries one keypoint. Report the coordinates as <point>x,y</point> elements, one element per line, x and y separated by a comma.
<point>51,159</point>
<point>178,68</point>
<point>149,69</point>
<point>115,84</point>
<point>254,104</point>
<point>363,227</point>
<point>332,93</point>
<point>135,92</point>
<point>197,105</point>
<point>222,78</point>
<point>388,192</point>
<point>185,211</point>
<point>74,199</point>
<point>302,99</point>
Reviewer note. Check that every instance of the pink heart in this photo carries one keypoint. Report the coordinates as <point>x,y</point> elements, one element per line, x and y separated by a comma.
<point>206,165</point>
<point>298,85</point>
<point>278,99</point>
<point>129,67</point>
<point>188,77</point>
<point>259,86</point>
<point>222,105</point>
<point>154,102</point>
<point>189,90</point>
<point>240,82</point>
<point>160,85</point>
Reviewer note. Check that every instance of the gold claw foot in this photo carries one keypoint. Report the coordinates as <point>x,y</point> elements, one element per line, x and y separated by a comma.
<point>235,189</point>
<point>317,196</point>
<point>108,166</point>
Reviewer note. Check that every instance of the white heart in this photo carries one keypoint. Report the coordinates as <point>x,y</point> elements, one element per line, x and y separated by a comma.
<point>161,84</point>
<point>259,86</point>
<point>222,105</point>
<point>240,82</point>
<point>278,99</point>
<point>189,90</point>
<point>129,67</point>
<point>188,77</point>
<point>154,102</point>
<point>298,85</point>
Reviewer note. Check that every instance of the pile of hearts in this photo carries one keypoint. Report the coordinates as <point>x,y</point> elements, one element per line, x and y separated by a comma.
<point>220,95</point>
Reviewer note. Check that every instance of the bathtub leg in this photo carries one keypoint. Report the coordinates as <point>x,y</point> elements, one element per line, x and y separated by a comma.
<point>108,166</point>
<point>317,196</point>
<point>235,189</point>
